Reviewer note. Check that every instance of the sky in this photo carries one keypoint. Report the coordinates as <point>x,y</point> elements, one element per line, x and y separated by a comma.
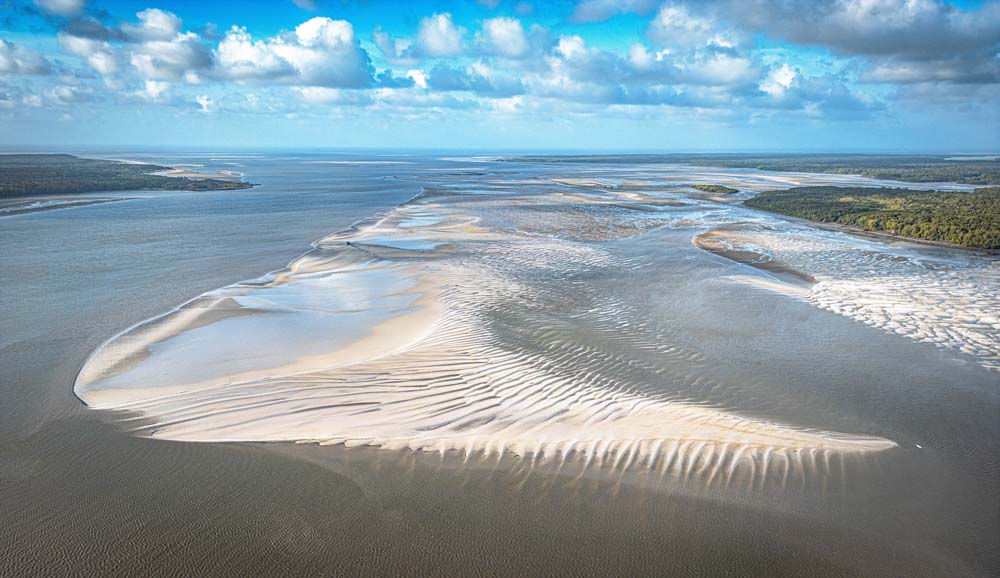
<point>628,75</point>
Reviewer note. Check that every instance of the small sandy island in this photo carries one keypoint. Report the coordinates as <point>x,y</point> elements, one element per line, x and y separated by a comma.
<point>187,173</point>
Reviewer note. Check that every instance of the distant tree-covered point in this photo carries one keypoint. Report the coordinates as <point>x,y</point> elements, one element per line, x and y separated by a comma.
<point>25,175</point>
<point>920,168</point>
<point>717,189</point>
<point>969,219</point>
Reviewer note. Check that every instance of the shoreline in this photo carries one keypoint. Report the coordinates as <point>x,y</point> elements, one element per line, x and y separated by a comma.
<point>437,376</point>
<point>719,241</point>
<point>14,206</point>
<point>183,172</point>
<point>660,317</point>
<point>36,176</point>
<point>882,236</point>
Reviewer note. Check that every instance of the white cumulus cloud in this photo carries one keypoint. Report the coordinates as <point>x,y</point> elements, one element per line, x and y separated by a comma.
<point>205,102</point>
<point>778,80</point>
<point>97,53</point>
<point>320,52</point>
<point>154,24</point>
<point>20,60</point>
<point>438,36</point>
<point>505,37</point>
<point>241,57</point>
<point>675,25</point>
<point>180,58</point>
<point>61,7</point>
<point>398,51</point>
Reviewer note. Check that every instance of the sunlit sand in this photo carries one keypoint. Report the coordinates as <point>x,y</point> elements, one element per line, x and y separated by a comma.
<point>468,324</point>
<point>396,334</point>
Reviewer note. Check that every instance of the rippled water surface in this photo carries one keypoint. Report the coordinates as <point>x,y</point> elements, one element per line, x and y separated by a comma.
<point>491,368</point>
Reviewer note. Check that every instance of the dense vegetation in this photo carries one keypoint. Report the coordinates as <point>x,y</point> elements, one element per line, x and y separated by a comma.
<point>970,219</point>
<point>717,189</point>
<point>43,174</point>
<point>911,168</point>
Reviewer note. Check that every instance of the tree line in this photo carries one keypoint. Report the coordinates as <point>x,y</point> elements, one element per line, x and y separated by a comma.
<point>968,219</point>
<point>23,175</point>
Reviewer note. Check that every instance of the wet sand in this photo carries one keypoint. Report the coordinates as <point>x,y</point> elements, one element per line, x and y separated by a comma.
<point>437,376</point>
<point>728,242</point>
<point>600,300</point>
<point>950,299</point>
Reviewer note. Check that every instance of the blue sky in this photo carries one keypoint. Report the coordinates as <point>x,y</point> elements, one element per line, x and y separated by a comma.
<point>808,75</point>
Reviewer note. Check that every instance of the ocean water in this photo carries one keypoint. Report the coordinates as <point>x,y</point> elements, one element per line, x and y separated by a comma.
<point>88,492</point>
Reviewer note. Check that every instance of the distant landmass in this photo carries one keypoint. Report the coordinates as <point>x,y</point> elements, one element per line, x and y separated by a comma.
<point>974,170</point>
<point>30,175</point>
<point>968,219</point>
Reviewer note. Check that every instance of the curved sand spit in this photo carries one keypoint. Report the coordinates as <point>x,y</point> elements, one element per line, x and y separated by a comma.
<point>436,328</point>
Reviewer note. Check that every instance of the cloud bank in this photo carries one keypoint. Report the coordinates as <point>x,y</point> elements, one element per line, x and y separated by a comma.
<point>732,61</point>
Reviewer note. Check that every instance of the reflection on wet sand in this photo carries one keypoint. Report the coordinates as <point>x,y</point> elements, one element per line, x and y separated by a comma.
<point>492,319</point>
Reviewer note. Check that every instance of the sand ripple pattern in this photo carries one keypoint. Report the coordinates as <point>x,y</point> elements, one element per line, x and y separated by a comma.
<point>526,356</point>
<point>952,303</point>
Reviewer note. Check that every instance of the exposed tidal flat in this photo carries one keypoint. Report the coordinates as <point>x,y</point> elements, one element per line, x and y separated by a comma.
<point>498,369</point>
